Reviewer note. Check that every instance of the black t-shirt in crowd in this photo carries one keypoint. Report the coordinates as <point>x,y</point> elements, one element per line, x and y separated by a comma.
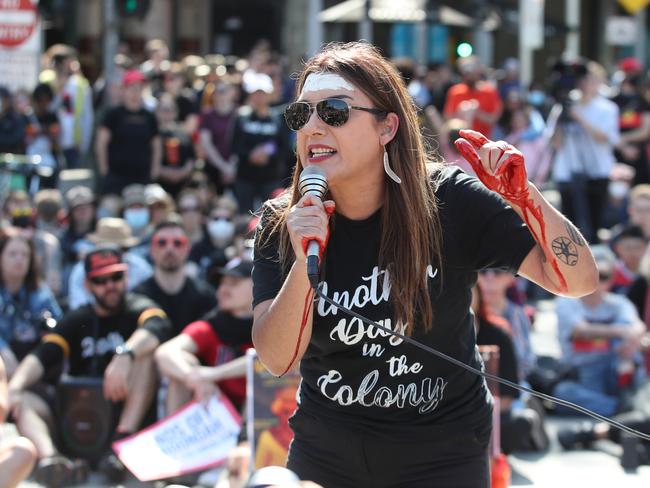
<point>353,373</point>
<point>88,342</point>
<point>129,150</point>
<point>251,130</point>
<point>491,335</point>
<point>194,300</point>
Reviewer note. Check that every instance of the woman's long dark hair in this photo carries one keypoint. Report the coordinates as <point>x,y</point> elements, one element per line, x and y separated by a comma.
<point>32,278</point>
<point>411,238</point>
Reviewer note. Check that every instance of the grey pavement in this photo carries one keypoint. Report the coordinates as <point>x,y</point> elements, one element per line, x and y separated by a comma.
<point>596,468</point>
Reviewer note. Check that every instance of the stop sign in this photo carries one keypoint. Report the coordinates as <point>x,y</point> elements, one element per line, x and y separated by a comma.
<point>18,20</point>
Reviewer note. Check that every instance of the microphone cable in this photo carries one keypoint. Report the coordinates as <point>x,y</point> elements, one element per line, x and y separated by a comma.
<point>314,283</point>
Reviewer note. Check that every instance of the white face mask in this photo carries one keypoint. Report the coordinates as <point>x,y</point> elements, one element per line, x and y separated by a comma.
<point>618,190</point>
<point>221,231</point>
<point>137,218</point>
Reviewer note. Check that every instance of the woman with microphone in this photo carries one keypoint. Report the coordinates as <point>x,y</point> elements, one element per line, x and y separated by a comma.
<point>402,239</point>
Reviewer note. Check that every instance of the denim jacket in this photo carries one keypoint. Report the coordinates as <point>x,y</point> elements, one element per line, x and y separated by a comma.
<point>22,315</point>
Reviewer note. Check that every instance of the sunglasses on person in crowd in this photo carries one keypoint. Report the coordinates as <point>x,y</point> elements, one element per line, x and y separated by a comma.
<point>177,242</point>
<point>102,280</point>
<point>494,271</point>
<point>604,276</point>
<point>189,209</point>
<point>333,111</point>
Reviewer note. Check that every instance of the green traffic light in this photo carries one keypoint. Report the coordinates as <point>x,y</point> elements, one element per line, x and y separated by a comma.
<point>464,49</point>
<point>131,5</point>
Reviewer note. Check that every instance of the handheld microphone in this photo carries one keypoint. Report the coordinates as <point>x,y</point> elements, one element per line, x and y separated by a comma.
<point>312,181</point>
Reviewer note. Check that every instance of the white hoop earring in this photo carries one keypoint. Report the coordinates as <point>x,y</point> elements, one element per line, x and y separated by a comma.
<point>389,171</point>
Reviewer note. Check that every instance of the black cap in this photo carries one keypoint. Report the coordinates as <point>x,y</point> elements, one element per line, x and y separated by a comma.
<point>237,267</point>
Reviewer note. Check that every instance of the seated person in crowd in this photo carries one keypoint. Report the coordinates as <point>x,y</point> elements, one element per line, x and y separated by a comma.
<point>115,232</point>
<point>629,245</point>
<point>638,207</point>
<point>522,428</point>
<point>18,206</point>
<point>183,299</point>
<point>494,284</point>
<point>600,338</point>
<point>220,226</point>
<point>191,210</point>
<point>17,456</point>
<point>209,354</point>
<point>636,451</point>
<point>81,217</point>
<point>27,305</point>
<point>114,339</point>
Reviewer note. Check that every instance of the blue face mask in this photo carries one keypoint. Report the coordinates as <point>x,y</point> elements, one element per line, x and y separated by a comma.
<point>137,218</point>
<point>536,98</point>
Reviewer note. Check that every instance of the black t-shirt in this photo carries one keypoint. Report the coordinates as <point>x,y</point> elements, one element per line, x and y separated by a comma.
<point>252,130</point>
<point>187,105</point>
<point>88,342</point>
<point>491,335</point>
<point>195,299</point>
<point>355,374</point>
<point>129,150</point>
<point>631,109</point>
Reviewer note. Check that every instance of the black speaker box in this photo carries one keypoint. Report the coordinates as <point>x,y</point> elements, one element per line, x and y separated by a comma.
<point>86,420</point>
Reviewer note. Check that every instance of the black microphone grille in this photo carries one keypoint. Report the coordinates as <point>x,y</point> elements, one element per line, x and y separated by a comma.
<point>312,182</point>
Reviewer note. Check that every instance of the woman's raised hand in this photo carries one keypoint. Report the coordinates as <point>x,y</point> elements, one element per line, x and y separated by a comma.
<point>498,165</point>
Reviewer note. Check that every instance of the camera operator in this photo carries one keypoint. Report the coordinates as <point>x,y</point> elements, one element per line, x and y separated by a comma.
<point>584,139</point>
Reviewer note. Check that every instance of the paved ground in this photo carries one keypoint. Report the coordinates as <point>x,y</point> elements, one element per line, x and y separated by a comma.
<point>598,468</point>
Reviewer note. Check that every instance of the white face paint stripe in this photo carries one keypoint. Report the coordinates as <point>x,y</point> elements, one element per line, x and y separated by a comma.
<point>325,81</point>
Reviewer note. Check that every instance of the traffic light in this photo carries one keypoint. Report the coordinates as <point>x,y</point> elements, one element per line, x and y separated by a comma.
<point>464,49</point>
<point>133,8</point>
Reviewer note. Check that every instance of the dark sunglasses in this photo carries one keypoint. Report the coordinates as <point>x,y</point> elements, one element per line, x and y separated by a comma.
<point>102,280</point>
<point>494,271</point>
<point>188,209</point>
<point>177,242</point>
<point>333,111</point>
<point>604,276</point>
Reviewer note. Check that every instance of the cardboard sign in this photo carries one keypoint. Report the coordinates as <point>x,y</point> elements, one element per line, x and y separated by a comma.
<point>195,438</point>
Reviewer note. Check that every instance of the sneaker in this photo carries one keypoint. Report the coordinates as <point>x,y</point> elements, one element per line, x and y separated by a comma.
<point>112,468</point>
<point>54,471</point>
<point>576,436</point>
<point>632,452</point>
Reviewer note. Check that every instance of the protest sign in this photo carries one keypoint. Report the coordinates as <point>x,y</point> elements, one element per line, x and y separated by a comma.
<point>195,438</point>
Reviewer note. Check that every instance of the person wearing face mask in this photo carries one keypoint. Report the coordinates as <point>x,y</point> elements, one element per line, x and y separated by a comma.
<point>137,214</point>
<point>220,232</point>
<point>633,120</point>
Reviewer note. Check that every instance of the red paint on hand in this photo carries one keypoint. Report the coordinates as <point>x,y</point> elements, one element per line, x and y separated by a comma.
<point>508,178</point>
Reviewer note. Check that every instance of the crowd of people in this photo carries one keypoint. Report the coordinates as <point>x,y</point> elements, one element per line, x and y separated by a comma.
<point>186,151</point>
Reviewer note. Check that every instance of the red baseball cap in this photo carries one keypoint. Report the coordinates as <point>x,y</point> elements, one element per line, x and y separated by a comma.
<point>133,76</point>
<point>104,260</point>
<point>630,65</point>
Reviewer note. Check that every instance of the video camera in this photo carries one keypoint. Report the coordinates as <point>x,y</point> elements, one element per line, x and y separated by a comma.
<point>563,78</point>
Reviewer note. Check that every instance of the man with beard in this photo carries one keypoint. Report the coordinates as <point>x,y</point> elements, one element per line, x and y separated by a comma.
<point>170,286</point>
<point>113,339</point>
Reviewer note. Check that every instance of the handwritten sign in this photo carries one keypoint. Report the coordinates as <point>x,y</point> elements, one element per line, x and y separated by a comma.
<point>195,438</point>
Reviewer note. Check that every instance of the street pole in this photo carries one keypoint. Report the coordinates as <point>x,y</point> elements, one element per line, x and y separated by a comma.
<point>640,46</point>
<point>572,15</point>
<point>111,41</point>
<point>483,40</point>
<point>365,25</point>
<point>314,27</point>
